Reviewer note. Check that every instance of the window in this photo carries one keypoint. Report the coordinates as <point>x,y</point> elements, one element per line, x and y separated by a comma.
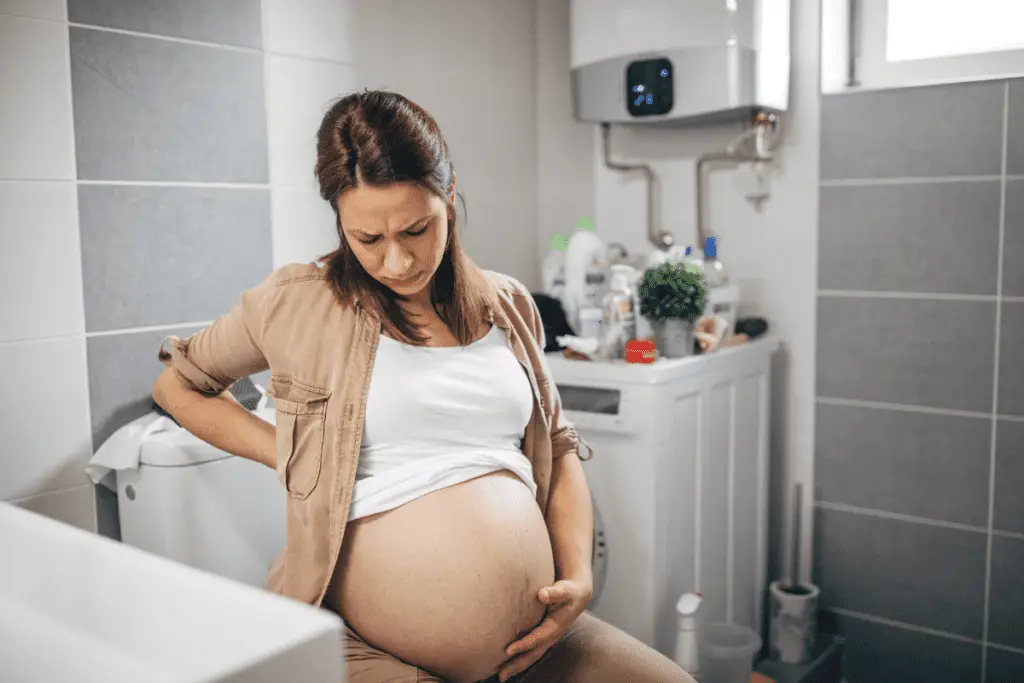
<point>898,43</point>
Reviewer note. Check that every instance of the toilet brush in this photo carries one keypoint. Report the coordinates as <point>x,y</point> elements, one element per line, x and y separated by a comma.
<point>794,620</point>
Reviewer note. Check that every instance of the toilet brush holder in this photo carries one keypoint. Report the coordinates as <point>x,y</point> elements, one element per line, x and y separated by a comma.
<point>794,621</point>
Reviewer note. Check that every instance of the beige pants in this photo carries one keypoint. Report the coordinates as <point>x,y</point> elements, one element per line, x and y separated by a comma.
<point>591,652</point>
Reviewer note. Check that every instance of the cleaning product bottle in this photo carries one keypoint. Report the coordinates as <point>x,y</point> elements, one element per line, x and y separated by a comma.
<point>619,316</point>
<point>694,257</point>
<point>714,271</point>
<point>554,267</point>
<point>686,640</point>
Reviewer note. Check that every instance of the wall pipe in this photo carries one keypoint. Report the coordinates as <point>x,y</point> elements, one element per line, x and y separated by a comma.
<point>660,239</point>
<point>762,152</point>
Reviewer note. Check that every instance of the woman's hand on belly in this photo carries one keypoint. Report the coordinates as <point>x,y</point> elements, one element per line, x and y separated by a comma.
<point>566,600</point>
<point>447,581</point>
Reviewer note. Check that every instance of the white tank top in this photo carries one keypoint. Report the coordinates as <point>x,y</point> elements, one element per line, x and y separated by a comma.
<point>436,417</point>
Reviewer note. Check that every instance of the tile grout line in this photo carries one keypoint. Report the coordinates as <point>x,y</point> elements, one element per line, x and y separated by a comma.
<point>169,39</point>
<point>267,98</point>
<point>52,492</point>
<point>897,516</point>
<point>987,605</point>
<point>924,296</point>
<point>176,183</point>
<point>1015,535</point>
<point>84,348</point>
<point>908,408</point>
<point>901,407</point>
<point>910,180</point>
<point>904,625</point>
<point>150,328</point>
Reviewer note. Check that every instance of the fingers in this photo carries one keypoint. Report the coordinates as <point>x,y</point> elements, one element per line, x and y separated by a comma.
<point>553,595</point>
<point>547,630</point>
<point>520,664</point>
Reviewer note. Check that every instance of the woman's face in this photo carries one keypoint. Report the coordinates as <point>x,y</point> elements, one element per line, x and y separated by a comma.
<point>398,233</point>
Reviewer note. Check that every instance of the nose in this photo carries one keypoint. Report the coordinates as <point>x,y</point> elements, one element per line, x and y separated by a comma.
<point>398,262</point>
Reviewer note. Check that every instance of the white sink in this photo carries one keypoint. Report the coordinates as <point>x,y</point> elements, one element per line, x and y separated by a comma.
<point>75,606</point>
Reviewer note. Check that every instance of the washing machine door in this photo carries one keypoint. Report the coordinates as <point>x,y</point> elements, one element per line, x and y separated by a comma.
<point>600,557</point>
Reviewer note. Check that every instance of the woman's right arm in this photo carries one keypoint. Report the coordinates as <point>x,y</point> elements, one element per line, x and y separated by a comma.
<point>219,420</point>
<point>193,386</point>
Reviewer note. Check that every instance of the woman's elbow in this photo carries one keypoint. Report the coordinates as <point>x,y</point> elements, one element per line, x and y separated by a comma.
<point>165,387</point>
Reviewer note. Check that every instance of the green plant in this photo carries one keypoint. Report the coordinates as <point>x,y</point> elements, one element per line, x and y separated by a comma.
<point>673,290</point>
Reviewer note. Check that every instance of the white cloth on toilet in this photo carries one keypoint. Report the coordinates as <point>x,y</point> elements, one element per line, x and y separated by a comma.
<point>124,448</point>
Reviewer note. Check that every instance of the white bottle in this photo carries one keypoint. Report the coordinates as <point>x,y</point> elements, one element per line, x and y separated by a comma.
<point>554,268</point>
<point>686,640</point>
<point>714,271</point>
<point>619,314</point>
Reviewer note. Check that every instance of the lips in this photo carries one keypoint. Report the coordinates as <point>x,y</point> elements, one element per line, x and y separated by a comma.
<point>401,283</point>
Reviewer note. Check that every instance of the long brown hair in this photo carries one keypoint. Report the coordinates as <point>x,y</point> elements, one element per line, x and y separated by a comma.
<point>379,138</point>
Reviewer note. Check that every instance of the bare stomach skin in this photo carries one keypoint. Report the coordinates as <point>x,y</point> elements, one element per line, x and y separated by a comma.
<point>448,581</point>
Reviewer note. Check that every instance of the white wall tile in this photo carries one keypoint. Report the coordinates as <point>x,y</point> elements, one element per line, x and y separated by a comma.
<point>40,260</point>
<point>309,28</point>
<point>299,91</point>
<point>44,417</point>
<point>36,100</point>
<point>55,10</point>
<point>304,227</point>
<point>75,506</point>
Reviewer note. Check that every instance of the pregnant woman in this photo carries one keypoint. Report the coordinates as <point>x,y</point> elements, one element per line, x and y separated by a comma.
<point>436,496</point>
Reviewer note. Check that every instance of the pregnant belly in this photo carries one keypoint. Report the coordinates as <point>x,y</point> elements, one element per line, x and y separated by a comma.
<point>448,581</point>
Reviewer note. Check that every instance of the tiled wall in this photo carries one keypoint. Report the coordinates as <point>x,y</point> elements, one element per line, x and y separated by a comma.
<point>156,158</point>
<point>919,539</point>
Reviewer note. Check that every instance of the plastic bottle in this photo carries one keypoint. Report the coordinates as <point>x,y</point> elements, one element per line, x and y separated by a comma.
<point>694,257</point>
<point>686,639</point>
<point>714,271</point>
<point>554,267</point>
<point>619,314</point>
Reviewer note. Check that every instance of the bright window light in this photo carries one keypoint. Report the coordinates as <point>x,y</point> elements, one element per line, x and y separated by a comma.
<point>926,29</point>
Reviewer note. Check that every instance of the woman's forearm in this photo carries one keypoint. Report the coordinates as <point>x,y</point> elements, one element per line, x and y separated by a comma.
<point>220,421</point>
<point>570,520</point>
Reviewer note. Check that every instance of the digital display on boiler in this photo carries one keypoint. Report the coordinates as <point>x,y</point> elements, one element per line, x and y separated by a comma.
<point>649,87</point>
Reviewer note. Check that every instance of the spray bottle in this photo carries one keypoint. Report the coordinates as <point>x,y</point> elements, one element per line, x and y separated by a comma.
<point>686,640</point>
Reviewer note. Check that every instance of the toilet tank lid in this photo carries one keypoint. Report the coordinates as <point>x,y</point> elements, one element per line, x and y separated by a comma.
<point>179,448</point>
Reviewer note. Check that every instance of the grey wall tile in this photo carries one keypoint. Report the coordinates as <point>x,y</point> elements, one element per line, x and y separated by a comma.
<point>879,653</point>
<point>228,22</point>
<point>1011,360</point>
<point>1006,609</point>
<point>1013,240</point>
<point>932,466</point>
<point>166,255</point>
<point>920,352</point>
<point>917,574</point>
<point>940,237</point>
<point>122,368</point>
<point>1004,667</point>
<point>1015,158</point>
<point>933,131</point>
<point>148,109</point>
<point>1009,491</point>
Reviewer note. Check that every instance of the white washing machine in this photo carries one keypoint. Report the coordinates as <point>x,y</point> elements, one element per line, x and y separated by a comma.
<point>679,480</point>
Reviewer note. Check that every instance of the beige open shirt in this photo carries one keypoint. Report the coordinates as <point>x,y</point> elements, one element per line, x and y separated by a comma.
<point>320,353</point>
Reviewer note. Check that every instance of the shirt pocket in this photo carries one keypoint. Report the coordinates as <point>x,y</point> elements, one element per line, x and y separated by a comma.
<point>301,420</point>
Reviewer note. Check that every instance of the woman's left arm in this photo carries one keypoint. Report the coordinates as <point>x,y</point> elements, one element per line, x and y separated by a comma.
<point>570,519</point>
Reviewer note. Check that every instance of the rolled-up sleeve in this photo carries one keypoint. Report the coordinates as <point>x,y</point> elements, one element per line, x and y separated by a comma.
<point>228,349</point>
<point>564,437</point>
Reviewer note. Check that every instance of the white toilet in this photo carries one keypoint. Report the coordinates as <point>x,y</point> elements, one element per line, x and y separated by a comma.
<point>200,506</point>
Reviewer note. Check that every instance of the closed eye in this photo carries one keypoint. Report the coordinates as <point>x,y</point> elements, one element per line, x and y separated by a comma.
<point>411,232</point>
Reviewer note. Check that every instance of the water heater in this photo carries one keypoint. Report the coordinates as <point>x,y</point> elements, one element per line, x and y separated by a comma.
<point>674,61</point>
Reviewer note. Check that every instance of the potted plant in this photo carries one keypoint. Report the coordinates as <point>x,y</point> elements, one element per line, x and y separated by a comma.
<point>672,298</point>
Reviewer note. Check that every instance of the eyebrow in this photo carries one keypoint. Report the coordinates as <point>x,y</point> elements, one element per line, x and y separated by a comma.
<point>409,226</point>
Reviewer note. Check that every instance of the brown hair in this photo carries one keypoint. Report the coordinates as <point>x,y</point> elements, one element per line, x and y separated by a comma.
<point>379,138</point>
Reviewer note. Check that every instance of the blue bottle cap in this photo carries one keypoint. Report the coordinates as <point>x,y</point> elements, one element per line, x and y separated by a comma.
<point>710,250</point>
